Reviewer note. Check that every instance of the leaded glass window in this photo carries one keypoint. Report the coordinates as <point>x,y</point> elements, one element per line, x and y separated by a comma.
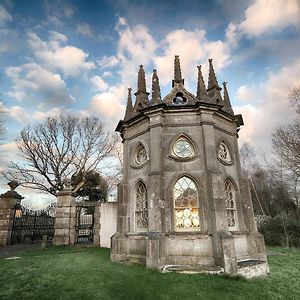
<point>185,195</point>
<point>224,153</point>
<point>230,205</point>
<point>183,148</point>
<point>140,155</point>
<point>141,207</point>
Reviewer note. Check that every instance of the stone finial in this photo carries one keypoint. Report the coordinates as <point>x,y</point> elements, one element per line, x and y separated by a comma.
<point>156,96</point>
<point>12,193</point>
<point>129,107</point>
<point>67,184</point>
<point>177,72</point>
<point>212,79</point>
<point>13,185</point>
<point>201,88</point>
<point>141,85</point>
<point>141,94</point>
<point>226,99</point>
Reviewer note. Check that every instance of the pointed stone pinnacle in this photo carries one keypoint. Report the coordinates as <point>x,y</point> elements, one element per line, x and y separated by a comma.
<point>141,94</point>
<point>177,69</point>
<point>141,86</point>
<point>212,79</point>
<point>156,96</point>
<point>226,99</point>
<point>129,107</point>
<point>201,89</point>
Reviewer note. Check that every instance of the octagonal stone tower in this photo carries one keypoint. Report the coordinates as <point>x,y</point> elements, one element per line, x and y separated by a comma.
<point>183,204</point>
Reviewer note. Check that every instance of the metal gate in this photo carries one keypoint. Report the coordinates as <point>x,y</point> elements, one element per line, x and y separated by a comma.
<point>85,224</point>
<point>30,226</point>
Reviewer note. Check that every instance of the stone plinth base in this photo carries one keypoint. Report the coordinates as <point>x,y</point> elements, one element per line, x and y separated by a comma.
<point>193,252</point>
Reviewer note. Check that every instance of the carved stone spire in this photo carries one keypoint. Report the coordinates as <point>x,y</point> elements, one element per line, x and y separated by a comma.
<point>156,96</point>
<point>201,89</point>
<point>177,72</point>
<point>213,88</point>
<point>227,103</point>
<point>129,107</point>
<point>141,94</point>
<point>212,79</point>
<point>141,86</point>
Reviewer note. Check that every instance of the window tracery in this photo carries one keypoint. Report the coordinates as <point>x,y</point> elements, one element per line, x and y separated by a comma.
<point>185,196</point>
<point>224,154</point>
<point>183,148</point>
<point>230,205</point>
<point>140,155</point>
<point>141,207</point>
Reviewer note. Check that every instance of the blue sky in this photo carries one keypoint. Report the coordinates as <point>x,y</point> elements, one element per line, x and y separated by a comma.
<point>80,57</point>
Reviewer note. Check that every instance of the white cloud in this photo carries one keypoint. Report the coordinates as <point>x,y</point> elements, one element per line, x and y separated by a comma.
<point>270,15</point>
<point>272,108</point>
<point>193,48</point>
<point>244,93</point>
<point>70,60</point>
<point>5,16</point>
<point>108,61</point>
<point>109,105</point>
<point>84,29</point>
<point>99,83</point>
<point>33,78</point>
<point>18,113</point>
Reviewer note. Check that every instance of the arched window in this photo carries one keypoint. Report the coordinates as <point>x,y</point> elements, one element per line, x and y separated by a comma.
<point>186,205</point>
<point>230,205</point>
<point>141,207</point>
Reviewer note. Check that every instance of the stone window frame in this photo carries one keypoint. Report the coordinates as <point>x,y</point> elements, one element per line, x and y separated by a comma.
<point>173,156</point>
<point>200,215</point>
<point>234,190</point>
<point>146,210</point>
<point>134,163</point>
<point>227,144</point>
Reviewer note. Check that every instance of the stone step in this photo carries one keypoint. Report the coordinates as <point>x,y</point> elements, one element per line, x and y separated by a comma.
<point>192,269</point>
<point>252,268</point>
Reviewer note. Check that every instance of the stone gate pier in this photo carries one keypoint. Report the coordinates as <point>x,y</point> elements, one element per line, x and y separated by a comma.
<point>8,202</point>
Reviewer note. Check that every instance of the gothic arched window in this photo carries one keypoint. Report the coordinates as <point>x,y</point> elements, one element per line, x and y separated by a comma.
<point>141,207</point>
<point>185,194</point>
<point>230,205</point>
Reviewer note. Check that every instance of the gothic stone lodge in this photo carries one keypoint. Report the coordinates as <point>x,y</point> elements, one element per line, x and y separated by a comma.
<point>183,204</point>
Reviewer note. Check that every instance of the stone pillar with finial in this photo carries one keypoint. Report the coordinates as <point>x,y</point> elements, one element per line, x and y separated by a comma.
<point>8,202</point>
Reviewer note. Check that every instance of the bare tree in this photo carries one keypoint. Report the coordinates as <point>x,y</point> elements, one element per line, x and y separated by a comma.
<point>294,96</point>
<point>286,145</point>
<point>59,148</point>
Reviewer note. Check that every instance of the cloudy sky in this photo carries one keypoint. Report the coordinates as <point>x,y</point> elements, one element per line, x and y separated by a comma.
<point>80,57</point>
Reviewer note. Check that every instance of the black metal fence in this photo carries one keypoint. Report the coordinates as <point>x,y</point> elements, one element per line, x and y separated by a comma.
<point>30,226</point>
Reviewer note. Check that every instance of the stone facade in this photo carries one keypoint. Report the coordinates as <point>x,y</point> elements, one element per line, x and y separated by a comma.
<point>183,200</point>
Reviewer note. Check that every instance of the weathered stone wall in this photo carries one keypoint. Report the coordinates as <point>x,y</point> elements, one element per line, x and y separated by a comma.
<point>108,223</point>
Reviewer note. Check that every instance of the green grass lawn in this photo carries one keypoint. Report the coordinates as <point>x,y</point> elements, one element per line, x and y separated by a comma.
<point>87,273</point>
